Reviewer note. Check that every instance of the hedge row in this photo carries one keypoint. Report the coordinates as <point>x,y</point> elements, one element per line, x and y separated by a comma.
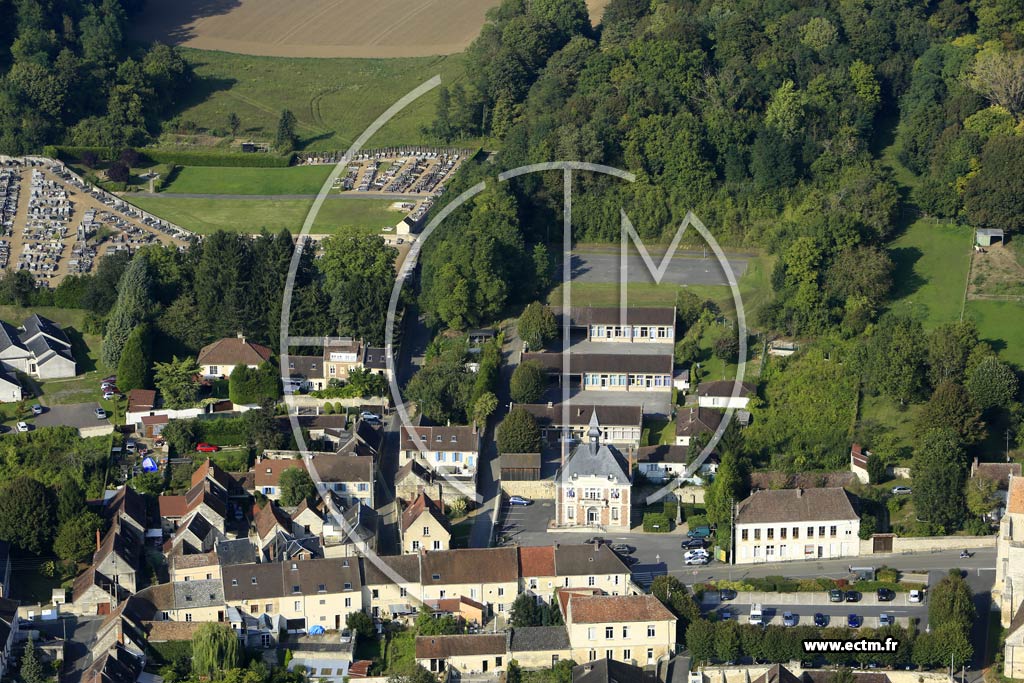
<point>657,522</point>
<point>222,431</point>
<point>779,584</point>
<point>178,157</point>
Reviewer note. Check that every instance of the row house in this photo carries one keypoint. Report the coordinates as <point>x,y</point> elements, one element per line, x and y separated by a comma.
<point>620,424</point>
<point>424,526</point>
<point>303,592</point>
<point>655,325</point>
<point>545,569</point>
<point>611,371</point>
<point>448,451</point>
<point>349,477</point>
<point>796,524</point>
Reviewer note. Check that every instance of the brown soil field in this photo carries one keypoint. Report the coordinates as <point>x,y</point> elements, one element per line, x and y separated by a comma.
<point>321,28</point>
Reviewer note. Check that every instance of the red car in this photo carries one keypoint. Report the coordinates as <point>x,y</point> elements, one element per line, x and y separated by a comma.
<point>207,448</point>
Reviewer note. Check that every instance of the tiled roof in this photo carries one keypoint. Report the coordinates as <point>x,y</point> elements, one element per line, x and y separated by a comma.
<point>649,363</point>
<point>162,631</point>
<point>470,565</point>
<point>269,517</point>
<point>777,674</point>
<point>584,559</point>
<point>663,453</point>
<point>406,567</point>
<point>213,471</point>
<point>611,671</point>
<point>795,505</point>
<point>520,461</point>
<point>195,560</point>
<point>549,416</point>
<point>612,315</point>
<point>600,609</point>
<point>141,399</point>
<point>268,471</point>
<point>724,388</point>
<point>443,647</point>
<point>342,468</point>
<point>1015,496</point>
<point>204,593</point>
<point>536,561</point>
<point>231,351</point>
<point>694,420</point>
<point>539,639</point>
<point>463,439</point>
<point>172,506</point>
<point>774,479</point>
<point>420,505</point>
<point>238,551</point>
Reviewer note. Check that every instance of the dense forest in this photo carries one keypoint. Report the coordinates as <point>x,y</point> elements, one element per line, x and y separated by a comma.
<point>765,118</point>
<point>68,74</point>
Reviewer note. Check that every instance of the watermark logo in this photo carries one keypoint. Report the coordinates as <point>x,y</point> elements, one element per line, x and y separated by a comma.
<point>407,432</point>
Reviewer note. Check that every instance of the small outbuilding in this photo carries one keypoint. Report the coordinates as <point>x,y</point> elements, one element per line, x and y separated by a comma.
<point>987,237</point>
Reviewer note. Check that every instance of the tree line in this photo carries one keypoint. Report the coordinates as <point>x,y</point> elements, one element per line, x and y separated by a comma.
<point>68,73</point>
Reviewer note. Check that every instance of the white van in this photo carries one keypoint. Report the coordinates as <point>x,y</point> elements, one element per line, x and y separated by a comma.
<point>756,615</point>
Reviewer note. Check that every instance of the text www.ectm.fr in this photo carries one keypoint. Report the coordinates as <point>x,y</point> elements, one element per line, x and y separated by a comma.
<point>859,645</point>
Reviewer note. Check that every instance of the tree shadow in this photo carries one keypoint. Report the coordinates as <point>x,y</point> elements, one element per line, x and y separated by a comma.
<point>174,22</point>
<point>305,143</point>
<point>200,90</point>
<point>905,280</point>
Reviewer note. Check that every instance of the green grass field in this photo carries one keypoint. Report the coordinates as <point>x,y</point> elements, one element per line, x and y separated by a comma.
<point>1001,324</point>
<point>272,181</point>
<point>932,260</point>
<point>333,100</point>
<point>205,216</point>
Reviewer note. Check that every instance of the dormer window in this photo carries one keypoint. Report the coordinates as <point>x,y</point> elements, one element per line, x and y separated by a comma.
<point>234,582</point>
<point>348,586</point>
<point>296,589</point>
<point>438,438</point>
<point>436,577</point>
<point>253,579</point>
<point>294,566</point>
<point>322,588</point>
<point>188,598</point>
<point>455,439</point>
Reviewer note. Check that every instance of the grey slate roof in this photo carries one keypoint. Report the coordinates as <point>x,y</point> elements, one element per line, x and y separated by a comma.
<point>405,566</point>
<point>240,551</point>
<point>662,453</point>
<point>584,559</point>
<point>548,416</point>
<point>539,639</point>
<point>611,671</point>
<point>612,315</point>
<point>9,337</point>
<point>595,459</point>
<point>204,593</point>
<point>362,520</point>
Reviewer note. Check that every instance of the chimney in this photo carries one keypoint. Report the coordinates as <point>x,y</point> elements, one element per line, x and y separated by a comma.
<point>551,404</point>
<point>799,493</point>
<point>97,540</point>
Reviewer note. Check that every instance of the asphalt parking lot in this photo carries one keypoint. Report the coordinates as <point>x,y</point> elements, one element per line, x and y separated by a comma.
<point>806,605</point>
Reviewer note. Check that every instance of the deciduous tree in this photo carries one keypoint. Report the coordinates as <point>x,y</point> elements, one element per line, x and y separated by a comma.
<point>529,380</point>
<point>518,433</point>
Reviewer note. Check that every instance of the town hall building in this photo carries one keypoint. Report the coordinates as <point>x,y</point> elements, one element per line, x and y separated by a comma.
<point>594,485</point>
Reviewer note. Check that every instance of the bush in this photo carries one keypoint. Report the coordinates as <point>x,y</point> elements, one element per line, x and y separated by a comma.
<point>697,520</point>
<point>657,522</point>
<point>254,385</point>
<point>182,158</point>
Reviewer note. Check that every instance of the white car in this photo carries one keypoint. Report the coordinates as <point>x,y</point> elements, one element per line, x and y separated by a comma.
<point>22,427</point>
<point>697,552</point>
<point>699,559</point>
<point>916,596</point>
<point>367,416</point>
<point>901,490</point>
<point>100,414</point>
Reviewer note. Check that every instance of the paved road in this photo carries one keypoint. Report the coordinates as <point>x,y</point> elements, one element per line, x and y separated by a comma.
<point>686,268</point>
<point>276,197</point>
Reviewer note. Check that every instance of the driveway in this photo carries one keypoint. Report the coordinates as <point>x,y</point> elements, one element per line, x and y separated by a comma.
<point>80,415</point>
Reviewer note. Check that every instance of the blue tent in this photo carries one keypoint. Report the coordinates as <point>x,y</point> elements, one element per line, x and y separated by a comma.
<point>316,630</point>
<point>149,465</point>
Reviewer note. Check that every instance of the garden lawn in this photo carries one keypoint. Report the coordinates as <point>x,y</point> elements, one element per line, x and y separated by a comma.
<point>1001,324</point>
<point>257,181</point>
<point>205,216</point>
<point>932,260</point>
<point>333,100</point>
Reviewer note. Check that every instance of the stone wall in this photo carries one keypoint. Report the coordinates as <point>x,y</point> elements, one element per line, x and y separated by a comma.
<point>931,543</point>
<point>540,488</point>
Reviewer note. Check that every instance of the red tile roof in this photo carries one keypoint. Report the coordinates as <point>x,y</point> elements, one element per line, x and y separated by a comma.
<point>537,561</point>
<point>268,471</point>
<point>141,399</point>
<point>1015,497</point>
<point>172,506</point>
<point>420,505</point>
<point>232,351</point>
<point>600,609</point>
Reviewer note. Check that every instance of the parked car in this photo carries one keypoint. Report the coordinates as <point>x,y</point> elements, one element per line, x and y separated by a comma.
<point>789,619</point>
<point>110,379</point>
<point>346,635</point>
<point>519,500</point>
<point>698,552</point>
<point>820,620</point>
<point>110,395</point>
<point>367,416</point>
<point>886,595</point>
<point>22,426</point>
<point>699,532</point>
<point>725,615</point>
<point>623,548</point>
<point>836,595</point>
<point>206,448</point>
<point>886,619</point>
<point>100,414</point>
<point>901,490</point>
<point>726,594</point>
<point>916,596</point>
<point>693,543</point>
<point>160,443</point>
<point>597,540</point>
<point>853,596</point>
<point>854,620</point>
<point>697,559</point>
<point>129,446</point>
<point>37,409</point>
